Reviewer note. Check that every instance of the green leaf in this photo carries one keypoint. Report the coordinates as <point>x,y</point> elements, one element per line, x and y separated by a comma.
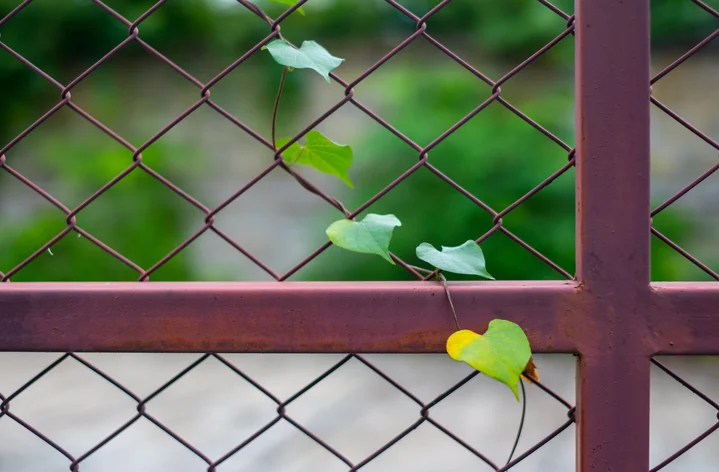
<point>290,3</point>
<point>501,353</point>
<point>369,236</point>
<point>466,259</point>
<point>309,56</point>
<point>320,153</point>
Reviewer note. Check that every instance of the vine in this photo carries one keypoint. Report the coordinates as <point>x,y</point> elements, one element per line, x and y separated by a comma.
<point>502,352</point>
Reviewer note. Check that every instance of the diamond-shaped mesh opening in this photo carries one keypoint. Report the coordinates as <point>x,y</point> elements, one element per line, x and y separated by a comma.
<point>212,430</point>
<point>126,451</point>
<point>684,414</point>
<point>136,91</point>
<point>134,83</point>
<point>82,405</point>
<point>326,413</point>
<point>68,27</point>
<point>684,142</point>
<point>67,144</point>
<point>283,447</point>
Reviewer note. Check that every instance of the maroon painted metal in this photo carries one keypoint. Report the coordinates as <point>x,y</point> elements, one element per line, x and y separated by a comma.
<point>675,318</point>
<point>273,317</point>
<point>612,115</point>
<point>609,315</point>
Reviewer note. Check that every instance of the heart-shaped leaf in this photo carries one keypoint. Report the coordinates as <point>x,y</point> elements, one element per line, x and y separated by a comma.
<point>501,353</point>
<point>320,153</point>
<point>290,3</point>
<point>310,55</point>
<point>466,259</point>
<point>370,236</point>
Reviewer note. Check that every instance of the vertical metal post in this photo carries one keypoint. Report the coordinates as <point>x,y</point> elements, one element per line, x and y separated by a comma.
<point>612,95</point>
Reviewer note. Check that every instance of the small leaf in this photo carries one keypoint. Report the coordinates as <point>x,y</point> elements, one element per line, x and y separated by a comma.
<point>369,236</point>
<point>466,259</point>
<point>290,3</point>
<point>309,56</point>
<point>502,353</point>
<point>320,153</point>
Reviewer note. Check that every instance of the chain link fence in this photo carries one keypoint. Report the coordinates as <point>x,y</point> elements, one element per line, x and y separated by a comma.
<point>206,223</point>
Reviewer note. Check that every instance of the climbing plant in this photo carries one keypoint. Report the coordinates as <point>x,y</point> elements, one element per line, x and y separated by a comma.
<point>503,351</point>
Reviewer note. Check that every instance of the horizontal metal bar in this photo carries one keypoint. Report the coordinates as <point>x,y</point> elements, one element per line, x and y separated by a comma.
<point>280,317</point>
<point>680,318</point>
<point>684,318</point>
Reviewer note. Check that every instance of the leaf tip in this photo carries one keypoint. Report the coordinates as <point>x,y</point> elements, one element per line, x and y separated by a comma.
<point>515,390</point>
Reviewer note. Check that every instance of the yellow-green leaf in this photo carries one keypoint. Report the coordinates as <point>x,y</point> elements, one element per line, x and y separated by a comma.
<point>290,3</point>
<point>320,153</point>
<point>501,353</point>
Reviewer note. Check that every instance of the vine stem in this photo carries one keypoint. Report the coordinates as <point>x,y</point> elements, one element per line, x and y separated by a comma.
<point>276,108</point>
<point>521,421</point>
<point>287,166</point>
<point>441,277</point>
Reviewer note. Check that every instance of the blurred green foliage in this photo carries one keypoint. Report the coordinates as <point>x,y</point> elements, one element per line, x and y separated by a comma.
<point>496,156</point>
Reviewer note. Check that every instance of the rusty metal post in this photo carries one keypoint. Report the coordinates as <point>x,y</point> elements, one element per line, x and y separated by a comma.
<point>612,59</point>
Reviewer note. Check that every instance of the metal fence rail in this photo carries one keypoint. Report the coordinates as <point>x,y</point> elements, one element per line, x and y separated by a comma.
<point>608,314</point>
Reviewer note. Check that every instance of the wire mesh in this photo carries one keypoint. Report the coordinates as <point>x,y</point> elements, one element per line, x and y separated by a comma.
<point>144,408</point>
<point>666,109</point>
<point>713,12</point>
<point>73,215</point>
<point>138,165</point>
